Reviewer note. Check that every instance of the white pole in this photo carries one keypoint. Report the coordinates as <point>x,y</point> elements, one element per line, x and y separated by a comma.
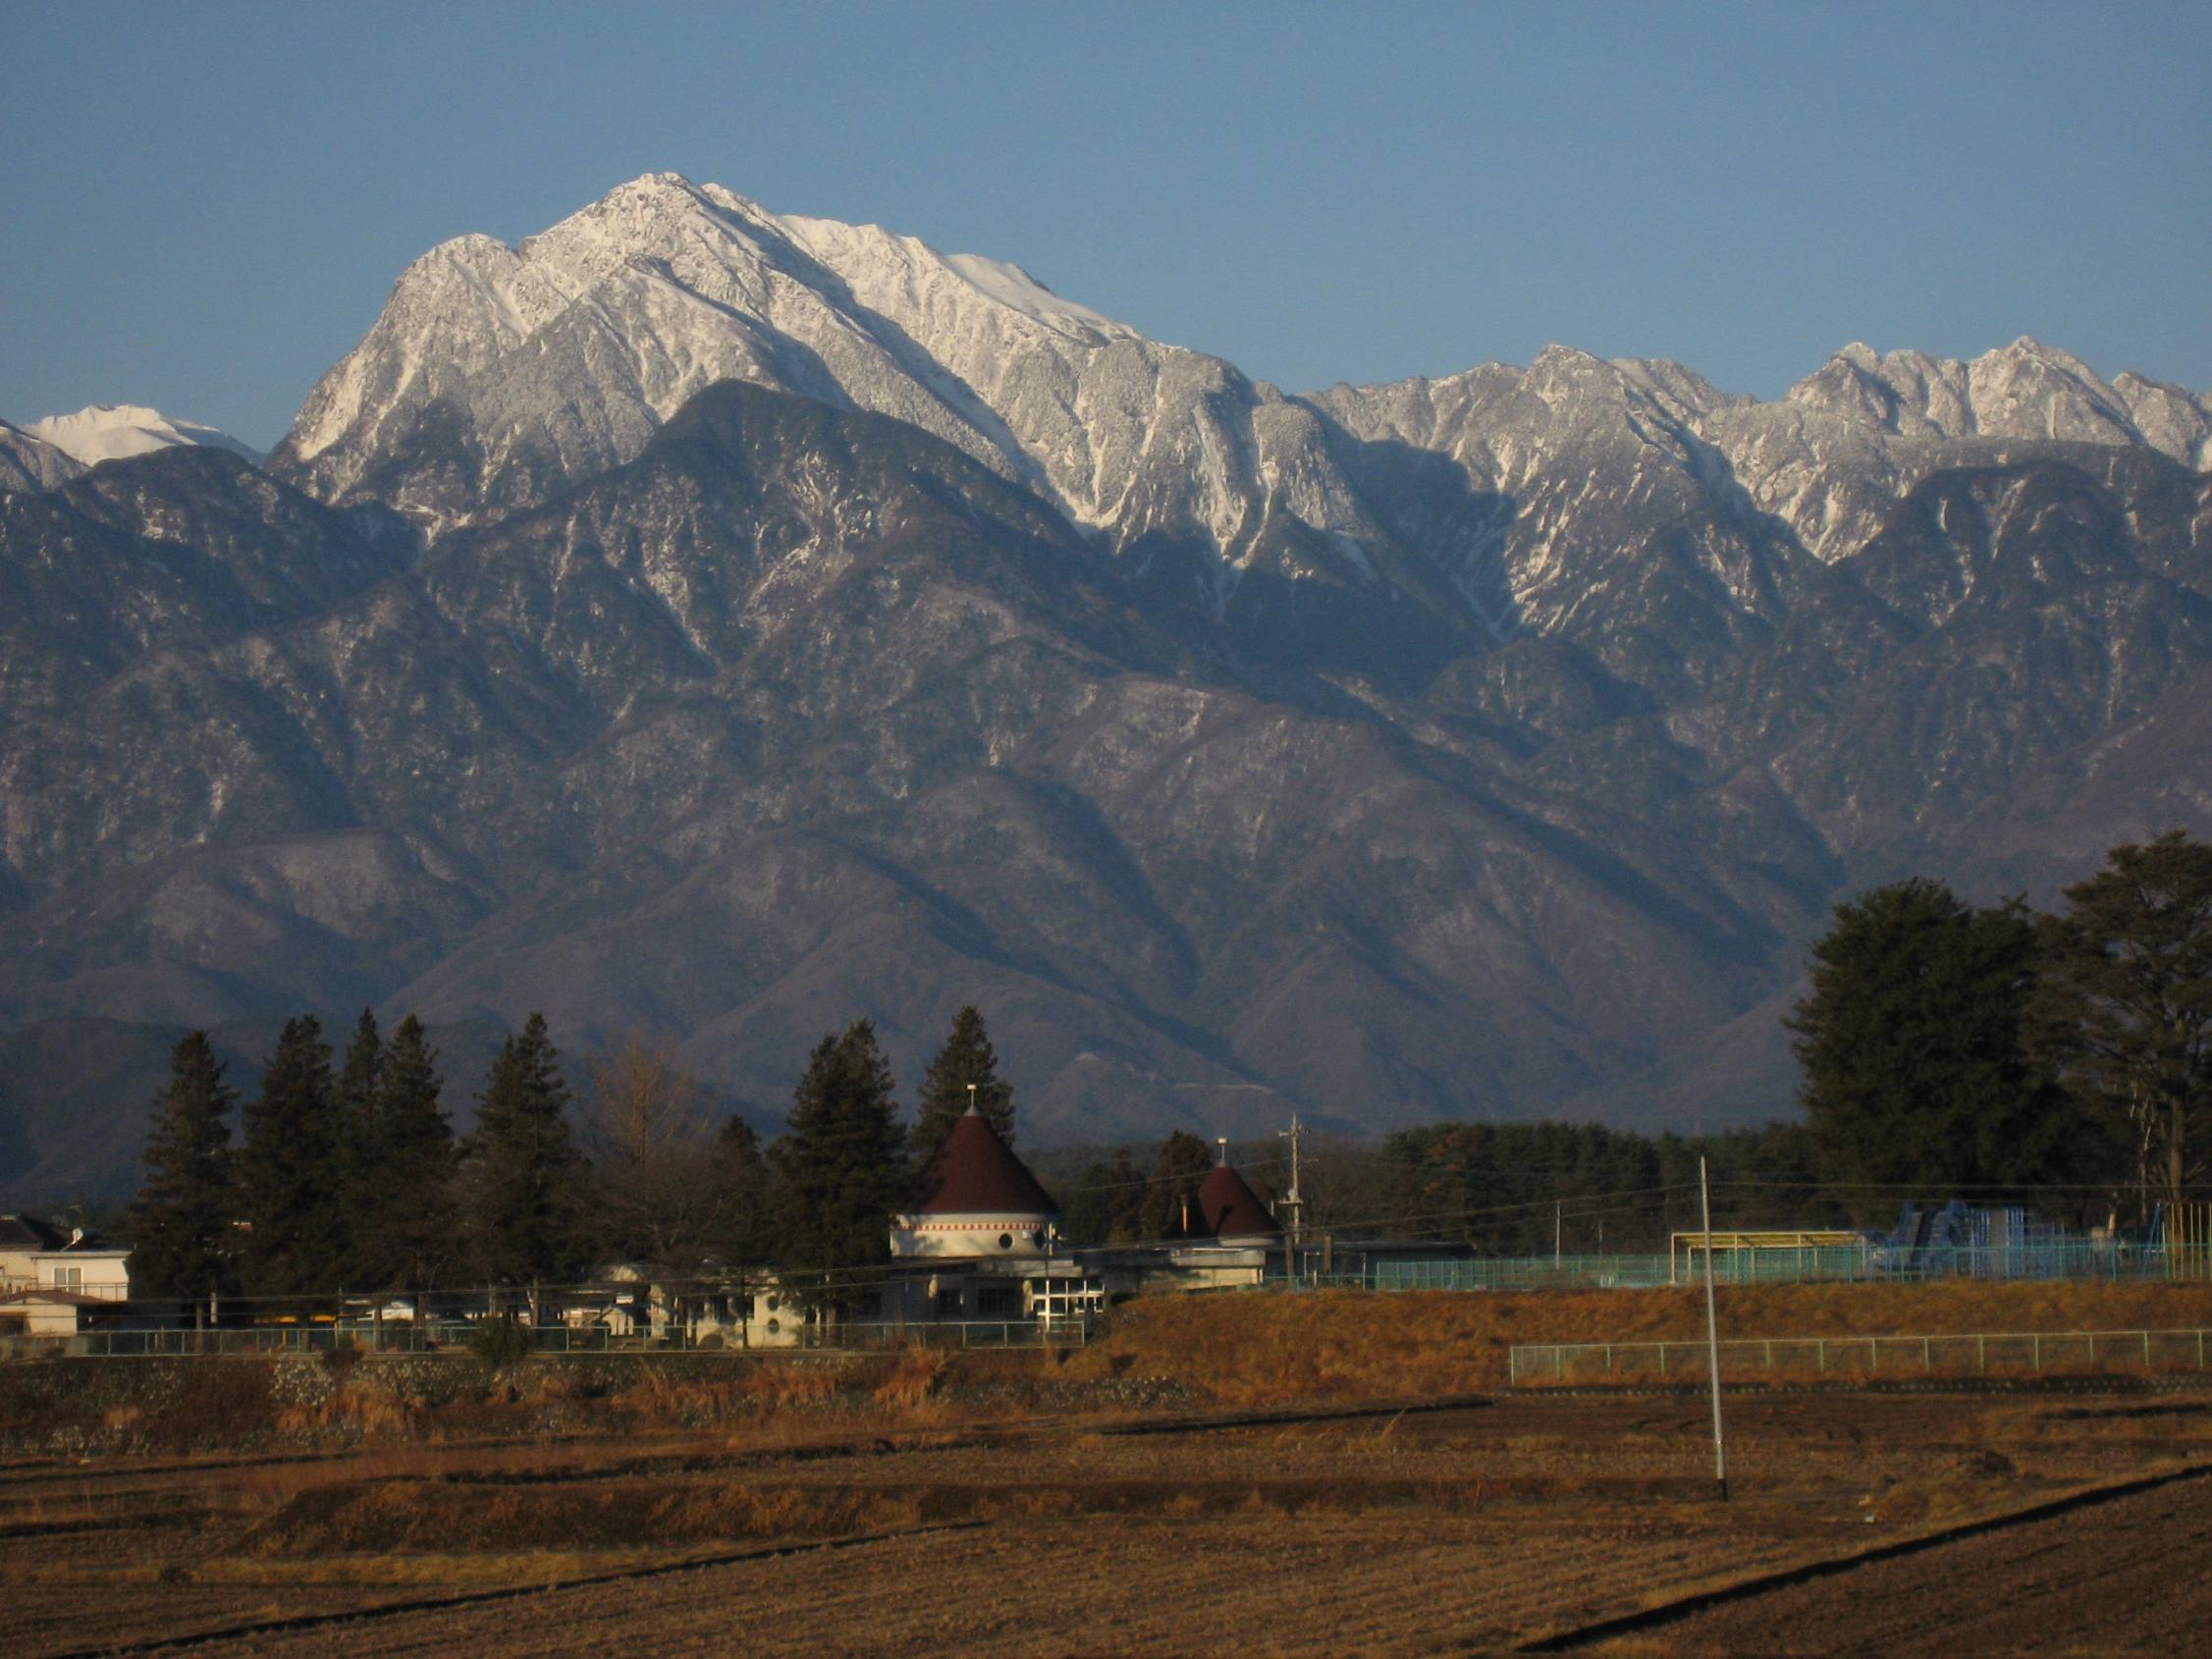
<point>1713,1335</point>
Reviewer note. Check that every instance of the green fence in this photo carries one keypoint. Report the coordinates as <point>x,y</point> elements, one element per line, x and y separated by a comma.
<point>2078,1260</point>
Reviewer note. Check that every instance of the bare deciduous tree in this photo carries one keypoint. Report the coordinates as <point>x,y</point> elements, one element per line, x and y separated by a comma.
<point>673,1184</point>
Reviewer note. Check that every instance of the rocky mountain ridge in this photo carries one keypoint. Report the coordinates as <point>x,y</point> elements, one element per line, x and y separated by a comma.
<point>717,624</point>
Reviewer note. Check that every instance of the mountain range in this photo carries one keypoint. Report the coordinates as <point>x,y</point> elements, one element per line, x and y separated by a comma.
<point>718,625</point>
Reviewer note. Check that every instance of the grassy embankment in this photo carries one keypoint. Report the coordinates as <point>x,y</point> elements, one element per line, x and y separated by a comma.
<point>1335,1345</point>
<point>1223,1351</point>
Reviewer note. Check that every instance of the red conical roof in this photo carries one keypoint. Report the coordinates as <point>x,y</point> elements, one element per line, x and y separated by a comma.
<point>1227,1209</point>
<point>976,1173</point>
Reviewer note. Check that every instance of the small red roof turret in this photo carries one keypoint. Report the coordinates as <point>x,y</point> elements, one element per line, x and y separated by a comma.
<point>1229,1211</point>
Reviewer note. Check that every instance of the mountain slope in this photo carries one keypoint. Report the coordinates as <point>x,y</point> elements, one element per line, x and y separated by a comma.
<point>717,624</point>
<point>28,462</point>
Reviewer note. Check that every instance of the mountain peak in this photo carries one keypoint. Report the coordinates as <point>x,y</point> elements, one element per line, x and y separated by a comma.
<point>111,431</point>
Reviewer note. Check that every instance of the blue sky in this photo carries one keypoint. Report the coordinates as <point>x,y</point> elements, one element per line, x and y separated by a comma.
<point>205,204</point>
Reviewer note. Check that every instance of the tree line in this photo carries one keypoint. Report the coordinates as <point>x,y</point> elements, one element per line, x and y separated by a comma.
<point>1996,1049</point>
<point>1945,1048</point>
<point>346,1173</point>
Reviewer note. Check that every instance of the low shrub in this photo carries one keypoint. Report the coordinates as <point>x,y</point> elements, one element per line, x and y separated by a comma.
<point>500,1342</point>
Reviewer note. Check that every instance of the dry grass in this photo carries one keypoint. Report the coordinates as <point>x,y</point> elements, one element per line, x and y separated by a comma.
<point>913,1378</point>
<point>1341,1345</point>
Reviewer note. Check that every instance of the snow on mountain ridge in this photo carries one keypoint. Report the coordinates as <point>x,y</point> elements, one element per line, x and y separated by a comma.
<point>2024,390</point>
<point>494,376</point>
<point>28,462</point>
<point>656,289</point>
<point>111,430</point>
<point>498,376</point>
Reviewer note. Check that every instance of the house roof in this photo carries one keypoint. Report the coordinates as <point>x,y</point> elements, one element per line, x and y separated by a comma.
<point>1226,1209</point>
<point>976,1173</point>
<point>28,1232</point>
<point>47,1297</point>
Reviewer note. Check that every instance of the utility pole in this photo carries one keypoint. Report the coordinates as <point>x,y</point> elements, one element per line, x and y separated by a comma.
<point>1713,1335</point>
<point>1291,1198</point>
<point>1558,1225</point>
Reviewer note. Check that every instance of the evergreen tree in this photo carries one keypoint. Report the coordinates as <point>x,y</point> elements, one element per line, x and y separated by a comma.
<point>1916,1069</point>
<point>1181,1165</point>
<point>966,1058</point>
<point>1108,1203</point>
<point>356,1154</point>
<point>411,1229</point>
<point>522,1167</point>
<point>742,1236</point>
<point>842,1168</point>
<point>181,1219</point>
<point>2125,1005</point>
<point>290,1187</point>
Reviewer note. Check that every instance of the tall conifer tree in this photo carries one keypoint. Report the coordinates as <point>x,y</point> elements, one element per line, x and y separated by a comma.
<point>411,1235</point>
<point>844,1168</point>
<point>356,1155</point>
<point>287,1166</point>
<point>522,1167</point>
<point>966,1058</point>
<point>181,1219</point>
<point>1181,1165</point>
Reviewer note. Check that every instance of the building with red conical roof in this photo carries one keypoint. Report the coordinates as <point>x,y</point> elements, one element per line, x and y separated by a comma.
<point>1227,1211</point>
<point>977,1201</point>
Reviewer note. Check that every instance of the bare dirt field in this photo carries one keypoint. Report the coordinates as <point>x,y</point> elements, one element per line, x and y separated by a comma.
<point>2133,1576</point>
<point>1475,1528</point>
<point>1317,1475</point>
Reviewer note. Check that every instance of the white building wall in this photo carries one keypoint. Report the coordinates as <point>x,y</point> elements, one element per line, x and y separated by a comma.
<point>101,1273</point>
<point>979,1237</point>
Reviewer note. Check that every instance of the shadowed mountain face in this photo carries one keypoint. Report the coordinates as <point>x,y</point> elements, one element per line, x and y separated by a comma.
<point>1481,746</point>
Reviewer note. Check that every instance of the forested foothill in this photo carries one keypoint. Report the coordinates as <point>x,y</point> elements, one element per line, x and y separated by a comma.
<point>2062,1060</point>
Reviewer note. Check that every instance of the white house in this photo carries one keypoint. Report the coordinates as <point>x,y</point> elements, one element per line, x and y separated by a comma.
<point>38,1254</point>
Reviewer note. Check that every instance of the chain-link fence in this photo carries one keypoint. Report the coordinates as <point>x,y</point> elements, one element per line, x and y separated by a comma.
<point>462,1337</point>
<point>1945,1354</point>
<point>2078,1260</point>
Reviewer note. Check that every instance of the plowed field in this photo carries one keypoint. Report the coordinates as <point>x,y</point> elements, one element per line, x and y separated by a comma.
<point>1470,1529</point>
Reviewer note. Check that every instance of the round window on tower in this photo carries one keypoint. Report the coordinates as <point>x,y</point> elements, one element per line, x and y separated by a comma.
<point>1005,1241</point>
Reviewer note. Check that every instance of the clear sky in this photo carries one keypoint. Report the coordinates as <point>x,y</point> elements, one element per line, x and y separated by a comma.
<point>205,204</point>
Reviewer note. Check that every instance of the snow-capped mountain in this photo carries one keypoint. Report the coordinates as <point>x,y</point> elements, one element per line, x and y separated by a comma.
<point>28,462</point>
<point>1382,524</point>
<point>497,375</point>
<point>111,430</point>
<point>836,625</point>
